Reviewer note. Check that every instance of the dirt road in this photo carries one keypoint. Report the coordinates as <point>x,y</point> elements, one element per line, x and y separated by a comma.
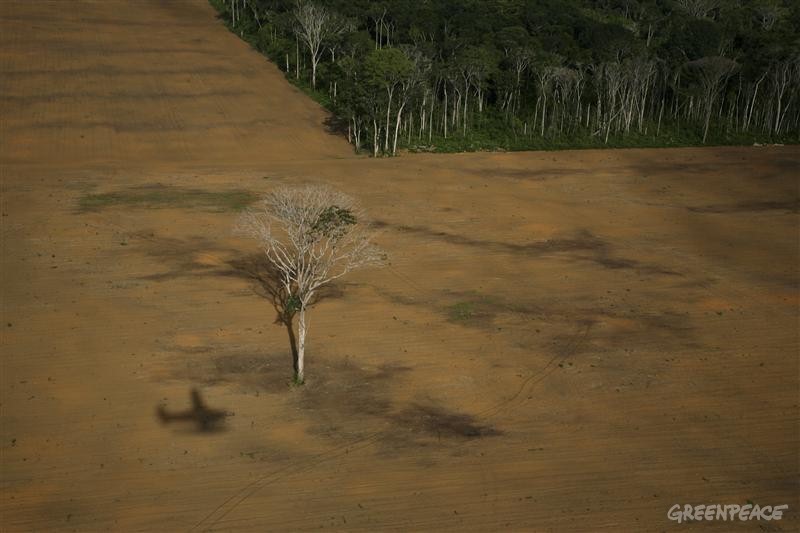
<point>571,341</point>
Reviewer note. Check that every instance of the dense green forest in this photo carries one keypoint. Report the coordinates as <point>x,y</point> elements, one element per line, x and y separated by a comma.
<point>452,75</point>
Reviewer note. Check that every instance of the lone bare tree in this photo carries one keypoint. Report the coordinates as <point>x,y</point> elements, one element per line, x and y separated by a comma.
<point>311,235</point>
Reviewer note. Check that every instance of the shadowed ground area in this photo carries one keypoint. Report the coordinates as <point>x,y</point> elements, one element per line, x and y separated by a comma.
<point>571,341</point>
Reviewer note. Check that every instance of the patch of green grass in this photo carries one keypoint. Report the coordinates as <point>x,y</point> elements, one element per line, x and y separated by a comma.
<point>159,196</point>
<point>478,311</point>
<point>461,311</point>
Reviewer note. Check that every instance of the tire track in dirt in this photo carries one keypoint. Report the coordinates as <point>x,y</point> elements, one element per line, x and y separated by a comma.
<point>229,505</point>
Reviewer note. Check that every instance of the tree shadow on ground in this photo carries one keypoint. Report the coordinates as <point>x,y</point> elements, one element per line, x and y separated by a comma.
<point>336,126</point>
<point>584,246</point>
<point>440,422</point>
<point>349,400</point>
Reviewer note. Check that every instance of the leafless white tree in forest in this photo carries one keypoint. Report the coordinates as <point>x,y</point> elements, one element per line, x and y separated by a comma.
<point>311,235</point>
<point>698,8</point>
<point>313,25</point>
<point>713,73</point>
<point>769,13</point>
<point>521,59</point>
<point>784,75</point>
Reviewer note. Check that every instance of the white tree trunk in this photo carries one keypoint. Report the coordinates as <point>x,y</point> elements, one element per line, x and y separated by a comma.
<point>374,138</point>
<point>707,122</point>
<point>301,345</point>
<point>544,103</point>
<point>397,128</point>
<point>314,62</point>
<point>466,94</point>
<point>388,109</point>
<point>445,112</point>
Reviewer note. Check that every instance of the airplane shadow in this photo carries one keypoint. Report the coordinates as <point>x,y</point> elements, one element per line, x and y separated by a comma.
<point>199,418</point>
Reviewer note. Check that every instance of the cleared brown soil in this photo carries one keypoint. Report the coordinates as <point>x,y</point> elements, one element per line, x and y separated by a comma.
<point>568,341</point>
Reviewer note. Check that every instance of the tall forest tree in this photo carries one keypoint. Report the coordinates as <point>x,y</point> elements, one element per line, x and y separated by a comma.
<point>313,27</point>
<point>712,73</point>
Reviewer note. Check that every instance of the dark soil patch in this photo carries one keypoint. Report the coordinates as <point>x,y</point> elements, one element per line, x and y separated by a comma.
<point>792,206</point>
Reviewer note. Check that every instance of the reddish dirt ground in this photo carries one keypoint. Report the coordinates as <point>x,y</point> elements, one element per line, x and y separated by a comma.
<point>571,341</point>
